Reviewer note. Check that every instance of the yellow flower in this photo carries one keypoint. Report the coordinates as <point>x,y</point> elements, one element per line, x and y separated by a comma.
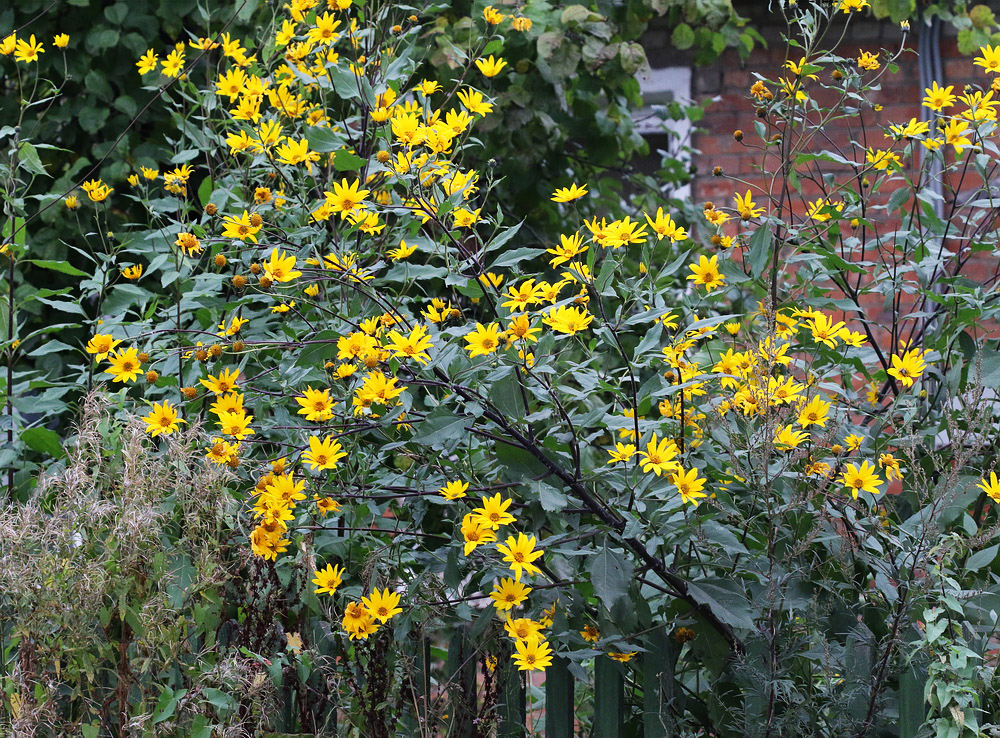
<point>907,368</point>
<point>28,51</point>
<point>493,16</point>
<point>280,267</point>
<point>125,365</point>
<point>235,326</point>
<point>465,218</point>
<point>523,629</point>
<point>852,6</point>
<point>61,41</point>
<point>622,657</point>
<point>484,340</point>
<point>689,485</point>
<point>989,59</point>
<point>326,504</point>
<point>954,134</point>
<point>665,227</point>
<point>428,87</point>
<point>346,197</point>
<point>869,61</point>
<point>569,320</point>
<point>706,272</point>
<point>236,424</point>
<point>328,579</point>
<point>317,405</point>
<point>746,207</point>
<point>323,454</point>
<point>475,534</point>
<point>508,593</point>
<point>814,413</point>
<point>891,466</point>
<point>991,487</point>
<point>241,227</point>
<point>473,101</point>
<point>568,194</point>
<point>532,655</point>
<point>659,456</point>
<point>325,30</point>
<point>162,420</point>
<point>224,383</point>
<point>96,190</point>
<point>490,67</point>
<point>221,451</point>
<point>413,346</point>
<point>861,479</point>
<point>883,160</point>
<point>382,605</point>
<point>147,62</point>
<point>493,512</point>
<point>297,152</point>
<point>621,452</point>
<point>174,62</point>
<point>824,330</point>
<point>520,552</point>
<point>101,344</point>
<point>358,623</point>
<point>454,490</point>
<point>402,251</point>
<point>520,327</point>
<point>788,438</point>
<point>188,243</point>
<point>590,634</point>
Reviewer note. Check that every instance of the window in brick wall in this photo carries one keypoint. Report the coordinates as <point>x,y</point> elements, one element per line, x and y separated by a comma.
<point>659,87</point>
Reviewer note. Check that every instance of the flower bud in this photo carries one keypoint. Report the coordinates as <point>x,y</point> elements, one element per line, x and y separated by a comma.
<point>220,260</point>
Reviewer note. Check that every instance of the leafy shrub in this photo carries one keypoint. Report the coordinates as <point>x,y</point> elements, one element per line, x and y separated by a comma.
<point>670,453</point>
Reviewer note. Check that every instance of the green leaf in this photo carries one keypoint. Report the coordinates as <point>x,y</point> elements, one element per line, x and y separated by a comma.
<point>725,600</point>
<point>683,37</point>
<point>436,430</point>
<point>982,558</point>
<point>58,266</point>
<point>551,499</point>
<point>28,159</point>
<point>502,238</point>
<point>516,256</point>
<point>324,140</point>
<point>205,190</point>
<point>43,440</point>
<point>610,573</point>
<point>760,249</point>
<point>900,10</point>
<point>345,161</point>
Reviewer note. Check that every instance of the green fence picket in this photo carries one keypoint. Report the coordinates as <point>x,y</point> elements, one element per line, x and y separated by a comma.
<point>558,699</point>
<point>513,713</point>
<point>609,698</point>
<point>461,676</point>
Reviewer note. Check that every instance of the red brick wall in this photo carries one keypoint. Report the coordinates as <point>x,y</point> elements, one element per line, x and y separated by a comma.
<point>900,97</point>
